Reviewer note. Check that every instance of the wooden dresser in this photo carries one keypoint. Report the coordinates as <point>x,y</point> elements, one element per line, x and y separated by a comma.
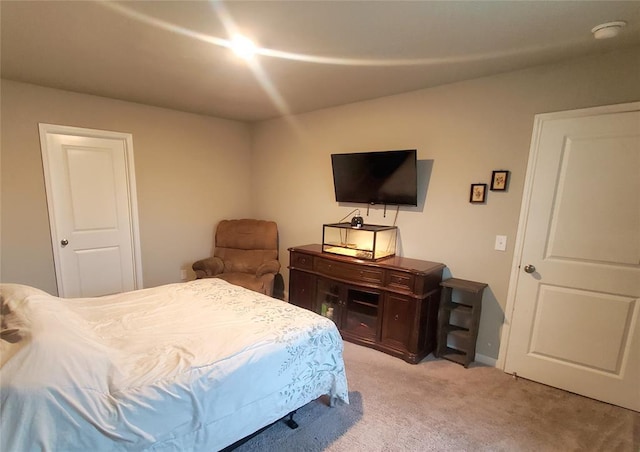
<point>390,304</point>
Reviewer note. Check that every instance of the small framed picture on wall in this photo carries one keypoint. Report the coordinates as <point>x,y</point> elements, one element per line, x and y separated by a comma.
<point>499,180</point>
<point>478,193</point>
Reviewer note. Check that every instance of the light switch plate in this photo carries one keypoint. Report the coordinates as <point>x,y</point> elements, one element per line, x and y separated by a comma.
<point>501,243</point>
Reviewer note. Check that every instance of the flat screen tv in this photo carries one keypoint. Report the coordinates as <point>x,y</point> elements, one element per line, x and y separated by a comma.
<point>383,177</point>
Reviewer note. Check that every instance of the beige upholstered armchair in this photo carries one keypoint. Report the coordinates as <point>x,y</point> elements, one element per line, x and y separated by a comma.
<point>245,254</point>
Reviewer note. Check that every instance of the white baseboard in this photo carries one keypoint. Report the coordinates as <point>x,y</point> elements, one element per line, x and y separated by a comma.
<point>486,360</point>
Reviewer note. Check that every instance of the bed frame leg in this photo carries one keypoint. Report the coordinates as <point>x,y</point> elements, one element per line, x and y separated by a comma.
<point>290,422</point>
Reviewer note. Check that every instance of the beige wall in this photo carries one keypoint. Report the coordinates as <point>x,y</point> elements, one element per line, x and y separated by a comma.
<point>462,131</point>
<point>191,171</point>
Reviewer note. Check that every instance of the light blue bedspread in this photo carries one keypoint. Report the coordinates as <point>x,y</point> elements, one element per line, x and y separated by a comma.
<point>190,366</point>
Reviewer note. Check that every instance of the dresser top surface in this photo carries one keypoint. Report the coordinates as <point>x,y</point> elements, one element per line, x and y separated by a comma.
<point>394,262</point>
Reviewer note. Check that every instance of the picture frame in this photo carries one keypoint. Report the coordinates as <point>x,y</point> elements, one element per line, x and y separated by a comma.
<point>499,180</point>
<point>478,193</point>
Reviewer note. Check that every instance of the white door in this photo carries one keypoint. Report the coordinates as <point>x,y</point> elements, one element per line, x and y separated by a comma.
<point>91,197</point>
<point>575,323</point>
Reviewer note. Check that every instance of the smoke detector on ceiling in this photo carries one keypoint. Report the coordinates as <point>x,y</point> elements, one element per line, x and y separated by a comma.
<point>608,30</point>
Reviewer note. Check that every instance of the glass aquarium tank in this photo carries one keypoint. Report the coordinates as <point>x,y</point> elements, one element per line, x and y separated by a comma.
<point>369,241</point>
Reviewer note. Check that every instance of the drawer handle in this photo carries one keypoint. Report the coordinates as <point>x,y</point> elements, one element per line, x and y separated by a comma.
<point>396,317</point>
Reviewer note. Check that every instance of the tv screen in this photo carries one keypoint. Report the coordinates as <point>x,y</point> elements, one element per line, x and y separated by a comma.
<point>384,177</point>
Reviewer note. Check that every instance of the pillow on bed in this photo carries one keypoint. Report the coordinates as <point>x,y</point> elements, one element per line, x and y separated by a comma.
<point>11,292</point>
<point>11,297</point>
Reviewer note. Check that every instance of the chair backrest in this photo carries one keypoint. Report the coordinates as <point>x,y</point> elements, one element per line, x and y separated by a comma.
<point>245,244</point>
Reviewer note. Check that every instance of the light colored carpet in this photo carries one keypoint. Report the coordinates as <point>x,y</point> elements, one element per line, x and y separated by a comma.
<point>437,405</point>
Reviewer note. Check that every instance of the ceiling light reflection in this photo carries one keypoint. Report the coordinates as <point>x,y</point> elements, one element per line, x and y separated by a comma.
<point>230,26</point>
<point>243,47</point>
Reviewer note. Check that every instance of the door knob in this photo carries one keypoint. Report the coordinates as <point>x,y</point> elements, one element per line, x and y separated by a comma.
<point>529,268</point>
<point>64,242</point>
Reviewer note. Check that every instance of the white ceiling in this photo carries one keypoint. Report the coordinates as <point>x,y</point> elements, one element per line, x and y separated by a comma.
<point>160,53</point>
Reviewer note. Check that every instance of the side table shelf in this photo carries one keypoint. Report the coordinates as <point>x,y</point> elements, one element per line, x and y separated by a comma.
<point>459,319</point>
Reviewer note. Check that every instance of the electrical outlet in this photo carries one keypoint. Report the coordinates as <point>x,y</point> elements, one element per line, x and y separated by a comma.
<point>501,243</point>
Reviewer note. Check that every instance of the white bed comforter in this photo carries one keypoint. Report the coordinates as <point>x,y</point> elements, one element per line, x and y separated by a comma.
<point>192,366</point>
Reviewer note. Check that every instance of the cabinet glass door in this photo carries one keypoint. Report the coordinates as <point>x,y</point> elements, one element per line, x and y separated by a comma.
<point>328,300</point>
<point>361,313</point>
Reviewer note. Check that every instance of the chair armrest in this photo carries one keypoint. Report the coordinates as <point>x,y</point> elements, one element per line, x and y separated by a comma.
<point>206,268</point>
<point>268,267</point>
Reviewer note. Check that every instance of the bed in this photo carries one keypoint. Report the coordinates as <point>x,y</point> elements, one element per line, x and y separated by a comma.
<point>189,366</point>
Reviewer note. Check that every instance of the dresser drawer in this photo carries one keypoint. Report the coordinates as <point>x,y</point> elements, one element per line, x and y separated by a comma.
<point>400,280</point>
<point>343,271</point>
<point>300,260</point>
